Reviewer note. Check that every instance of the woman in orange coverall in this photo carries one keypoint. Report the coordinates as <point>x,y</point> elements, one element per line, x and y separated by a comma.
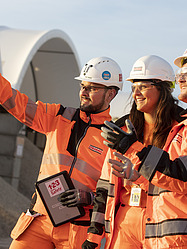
<point>153,114</point>
<point>166,170</point>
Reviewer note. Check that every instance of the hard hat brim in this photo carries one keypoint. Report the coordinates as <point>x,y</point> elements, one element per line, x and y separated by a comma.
<point>104,83</point>
<point>177,61</point>
<point>89,80</point>
<point>142,78</point>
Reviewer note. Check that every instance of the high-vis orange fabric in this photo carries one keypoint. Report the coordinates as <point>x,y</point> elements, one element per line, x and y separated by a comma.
<point>38,232</point>
<point>129,228</point>
<point>129,232</point>
<point>166,213</point>
<point>29,233</point>
<point>112,192</point>
<point>73,139</point>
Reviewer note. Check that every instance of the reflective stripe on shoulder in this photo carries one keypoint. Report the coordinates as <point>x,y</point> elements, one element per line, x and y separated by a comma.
<point>69,113</point>
<point>151,162</point>
<point>166,228</point>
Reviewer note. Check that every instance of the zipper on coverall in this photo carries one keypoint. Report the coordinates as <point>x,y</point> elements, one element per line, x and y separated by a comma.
<point>77,147</point>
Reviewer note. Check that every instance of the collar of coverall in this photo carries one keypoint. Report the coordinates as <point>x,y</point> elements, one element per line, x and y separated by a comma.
<point>96,118</point>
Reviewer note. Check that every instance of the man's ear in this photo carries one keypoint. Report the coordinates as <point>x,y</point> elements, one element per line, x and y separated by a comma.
<point>112,94</point>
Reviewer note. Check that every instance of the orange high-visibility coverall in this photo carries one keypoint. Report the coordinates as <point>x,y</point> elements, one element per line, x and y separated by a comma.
<point>166,213</point>
<point>74,144</point>
<point>117,190</point>
<point>129,226</point>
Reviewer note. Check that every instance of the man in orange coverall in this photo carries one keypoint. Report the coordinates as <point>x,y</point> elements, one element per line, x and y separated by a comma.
<point>166,171</point>
<point>73,144</point>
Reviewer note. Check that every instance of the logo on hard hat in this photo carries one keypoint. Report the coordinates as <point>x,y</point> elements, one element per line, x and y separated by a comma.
<point>106,75</point>
<point>137,68</point>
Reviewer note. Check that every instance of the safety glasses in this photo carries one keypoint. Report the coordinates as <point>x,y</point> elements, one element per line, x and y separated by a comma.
<point>142,86</point>
<point>92,89</point>
<point>181,74</point>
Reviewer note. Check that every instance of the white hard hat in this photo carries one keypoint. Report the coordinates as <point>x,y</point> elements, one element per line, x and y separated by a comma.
<point>152,67</point>
<point>178,60</point>
<point>102,70</point>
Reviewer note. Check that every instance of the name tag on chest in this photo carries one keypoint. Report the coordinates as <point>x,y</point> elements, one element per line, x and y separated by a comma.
<point>135,196</point>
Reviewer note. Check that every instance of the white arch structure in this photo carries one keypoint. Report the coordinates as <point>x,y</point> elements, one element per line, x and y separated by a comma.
<point>41,64</point>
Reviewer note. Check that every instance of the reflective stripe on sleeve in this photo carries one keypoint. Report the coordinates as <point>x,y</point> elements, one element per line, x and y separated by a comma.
<point>184,160</point>
<point>30,112</point>
<point>107,226</point>
<point>103,184</point>
<point>98,217</point>
<point>166,228</point>
<point>151,162</point>
<point>10,103</point>
<point>111,190</point>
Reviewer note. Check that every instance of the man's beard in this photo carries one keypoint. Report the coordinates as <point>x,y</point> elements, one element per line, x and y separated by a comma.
<point>92,109</point>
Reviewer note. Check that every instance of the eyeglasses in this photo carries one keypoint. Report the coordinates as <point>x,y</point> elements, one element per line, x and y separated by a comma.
<point>92,89</point>
<point>181,74</point>
<point>142,87</point>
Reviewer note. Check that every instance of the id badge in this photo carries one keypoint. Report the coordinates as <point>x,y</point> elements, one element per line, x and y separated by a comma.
<point>135,196</point>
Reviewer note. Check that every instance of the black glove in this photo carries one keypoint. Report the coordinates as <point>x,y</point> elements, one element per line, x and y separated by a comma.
<point>117,138</point>
<point>76,197</point>
<point>89,245</point>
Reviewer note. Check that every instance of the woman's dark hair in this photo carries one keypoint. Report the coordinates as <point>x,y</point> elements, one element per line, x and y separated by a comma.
<point>165,115</point>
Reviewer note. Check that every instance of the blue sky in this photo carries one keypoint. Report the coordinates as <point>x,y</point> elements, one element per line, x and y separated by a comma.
<point>121,29</point>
